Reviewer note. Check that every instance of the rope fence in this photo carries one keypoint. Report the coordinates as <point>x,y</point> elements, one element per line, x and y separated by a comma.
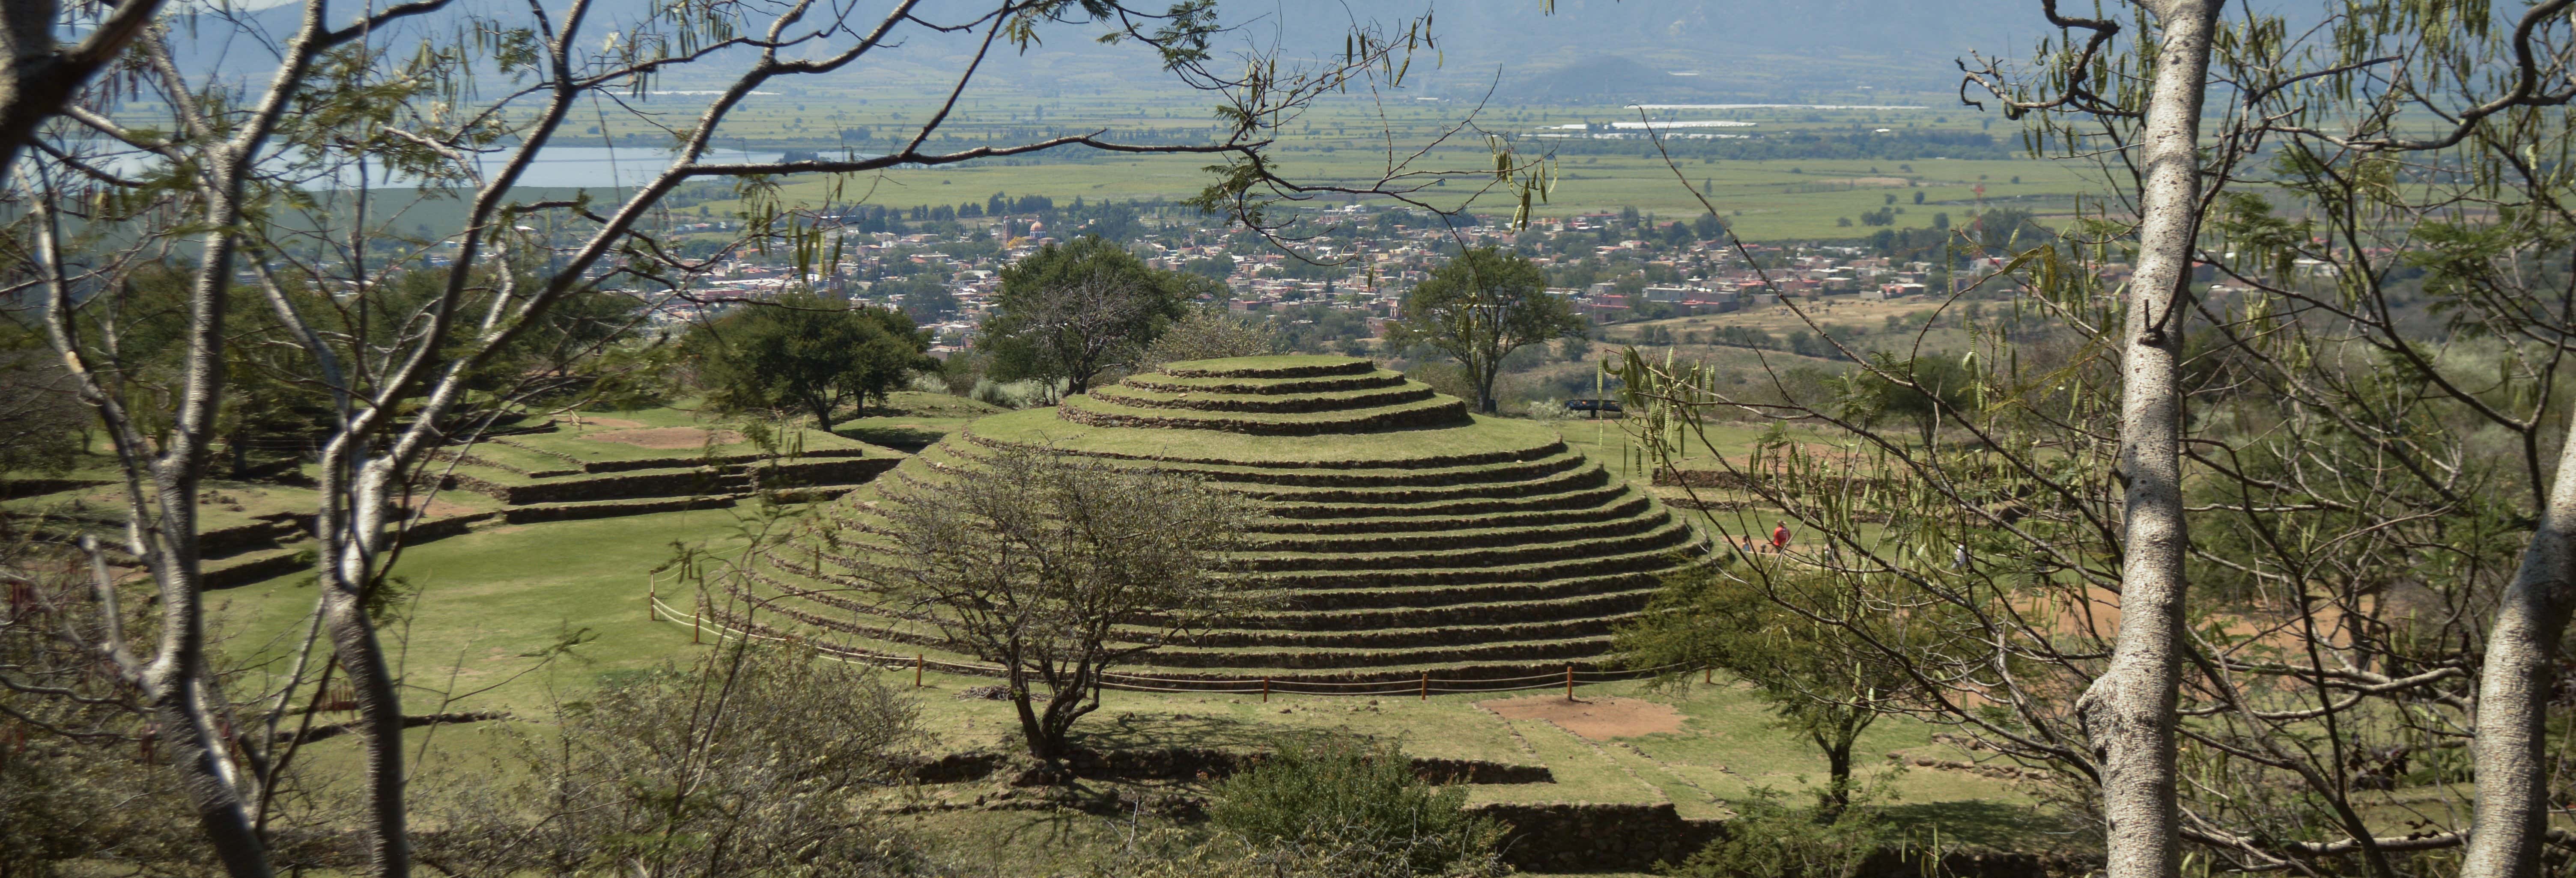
<point>1423,685</point>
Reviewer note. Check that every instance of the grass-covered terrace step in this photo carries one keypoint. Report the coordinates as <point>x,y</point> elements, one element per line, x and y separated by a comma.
<point>1435,411</point>
<point>1587,475</point>
<point>1210,401</point>
<point>675,482</point>
<point>1601,596</point>
<point>1416,588</point>
<point>1267,386</point>
<point>1410,638</point>
<point>1275,366</point>
<point>1487,441</point>
<point>1539,583</point>
<point>1532,467</point>
<point>1510,471</point>
<point>1302,658</point>
<point>1615,504</point>
<point>1396,675</point>
<point>1464,537</point>
<point>1665,534</point>
<point>1336,512</point>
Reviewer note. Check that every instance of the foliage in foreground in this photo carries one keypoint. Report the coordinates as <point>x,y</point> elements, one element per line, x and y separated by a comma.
<point>745,763</point>
<point>1771,839</point>
<point>1344,806</point>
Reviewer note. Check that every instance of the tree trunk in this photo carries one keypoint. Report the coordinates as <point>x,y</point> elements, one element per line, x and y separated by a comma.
<point>822,413</point>
<point>380,720</point>
<point>1838,771</point>
<point>1042,746</point>
<point>353,536</point>
<point>2128,714</point>
<point>2512,817</point>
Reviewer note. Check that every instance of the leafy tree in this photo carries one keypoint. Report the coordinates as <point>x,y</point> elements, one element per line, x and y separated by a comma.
<point>801,351</point>
<point>1924,390</point>
<point>1478,308</point>
<point>40,414</point>
<point>1056,567</point>
<point>924,299</point>
<point>1070,312</point>
<point>1736,619</point>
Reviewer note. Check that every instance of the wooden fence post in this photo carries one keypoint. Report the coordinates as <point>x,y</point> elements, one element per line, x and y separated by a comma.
<point>651,593</point>
<point>1569,682</point>
<point>1426,685</point>
<point>916,670</point>
<point>1265,690</point>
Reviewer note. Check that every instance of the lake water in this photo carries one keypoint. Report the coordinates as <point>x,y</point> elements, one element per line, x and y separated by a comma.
<point>555,166</point>
<point>599,166</point>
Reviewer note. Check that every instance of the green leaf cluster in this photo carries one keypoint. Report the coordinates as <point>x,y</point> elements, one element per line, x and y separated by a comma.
<point>803,352</point>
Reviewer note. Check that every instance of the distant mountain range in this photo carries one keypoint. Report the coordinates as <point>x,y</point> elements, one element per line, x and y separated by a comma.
<point>1587,51</point>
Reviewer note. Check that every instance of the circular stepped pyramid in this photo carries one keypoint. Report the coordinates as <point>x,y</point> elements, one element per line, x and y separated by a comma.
<point>1400,534</point>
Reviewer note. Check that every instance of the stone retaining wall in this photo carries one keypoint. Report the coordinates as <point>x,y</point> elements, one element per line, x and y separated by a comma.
<point>1192,763</point>
<point>1592,837</point>
<point>1211,401</point>
<point>1596,837</point>
<point>1436,461</point>
<point>1452,413</point>
<point>15,488</point>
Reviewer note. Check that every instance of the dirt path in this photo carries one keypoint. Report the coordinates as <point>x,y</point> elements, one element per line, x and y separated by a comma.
<point>1598,718</point>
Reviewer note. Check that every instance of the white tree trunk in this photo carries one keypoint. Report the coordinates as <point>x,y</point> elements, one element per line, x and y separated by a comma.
<point>2129,712</point>
<point>2511,821</point>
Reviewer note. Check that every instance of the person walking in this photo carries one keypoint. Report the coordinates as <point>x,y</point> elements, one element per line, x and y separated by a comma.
<point>1780,537</point>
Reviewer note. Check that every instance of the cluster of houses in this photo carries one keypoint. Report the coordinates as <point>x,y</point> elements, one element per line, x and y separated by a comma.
<point>1371,266</point>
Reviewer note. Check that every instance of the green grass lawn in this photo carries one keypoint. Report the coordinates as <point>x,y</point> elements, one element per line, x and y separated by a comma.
<point>482,602</point>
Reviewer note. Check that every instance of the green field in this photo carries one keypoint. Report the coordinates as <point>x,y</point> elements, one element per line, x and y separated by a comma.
<point>1754,195</point>
<point>1354,141</point>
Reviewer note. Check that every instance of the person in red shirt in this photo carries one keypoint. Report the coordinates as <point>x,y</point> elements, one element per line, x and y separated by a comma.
<point>1780,537</point>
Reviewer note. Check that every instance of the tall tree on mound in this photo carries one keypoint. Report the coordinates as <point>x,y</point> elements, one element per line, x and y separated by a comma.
<point>1072,311</point>
<point>1057,567</point>
<point>1479,308</point>
<point>1212,334</point>
<point>803,352</point>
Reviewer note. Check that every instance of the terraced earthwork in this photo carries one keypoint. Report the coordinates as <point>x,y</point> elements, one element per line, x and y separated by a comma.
<point>1401,535</point>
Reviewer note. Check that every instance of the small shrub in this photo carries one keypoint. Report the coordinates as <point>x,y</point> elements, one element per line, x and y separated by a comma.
<point>1350,801</point>
<point>989,393</point>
